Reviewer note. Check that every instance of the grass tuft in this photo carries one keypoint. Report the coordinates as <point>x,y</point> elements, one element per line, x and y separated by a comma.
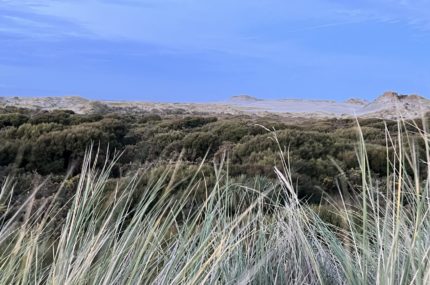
<point>379,236</point>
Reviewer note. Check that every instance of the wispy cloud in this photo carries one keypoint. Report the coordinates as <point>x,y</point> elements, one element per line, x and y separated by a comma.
<point>414,13</point>
<point>185,21</point>
<point>183,41</point>
<point>26,23</point>
<point>231,27</point>
<point>177,24</point>
<point>247,28</point>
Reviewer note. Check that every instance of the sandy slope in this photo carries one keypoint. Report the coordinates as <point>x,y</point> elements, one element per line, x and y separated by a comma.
<point>389,105</point>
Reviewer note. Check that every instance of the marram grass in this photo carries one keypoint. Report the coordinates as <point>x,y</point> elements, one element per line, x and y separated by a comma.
<point>381,237</point>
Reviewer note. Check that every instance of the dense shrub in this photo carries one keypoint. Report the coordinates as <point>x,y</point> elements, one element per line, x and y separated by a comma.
<point>191,122</point>
<point>12,119</point>
<point>59,117</point>
<point>51,142</point>
<point>198,143</point>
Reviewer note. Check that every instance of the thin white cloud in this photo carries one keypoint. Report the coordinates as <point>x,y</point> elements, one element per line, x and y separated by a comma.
<point>207,26</point>
<point>185,21</point>
<point>414,13</point>
<point>215,25</point>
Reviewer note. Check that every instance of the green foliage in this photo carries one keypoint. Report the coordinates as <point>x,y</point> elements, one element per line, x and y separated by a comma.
<point>196,224</point>
<point>191,122</point>
<point>52,142</point>
<point>198,143</point>
<point>58,116</point>
<point>12,119</point>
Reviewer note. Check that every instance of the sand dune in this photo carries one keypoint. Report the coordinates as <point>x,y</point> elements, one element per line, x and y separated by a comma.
<point>388,105</point>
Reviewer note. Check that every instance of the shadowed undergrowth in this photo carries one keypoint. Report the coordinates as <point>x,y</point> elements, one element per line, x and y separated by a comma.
<point>378,234</point>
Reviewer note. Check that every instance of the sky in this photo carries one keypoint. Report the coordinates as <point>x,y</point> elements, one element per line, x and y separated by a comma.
<point>209,50</point>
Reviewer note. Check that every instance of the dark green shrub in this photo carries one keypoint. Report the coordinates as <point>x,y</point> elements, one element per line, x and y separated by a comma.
<point>12,119</point>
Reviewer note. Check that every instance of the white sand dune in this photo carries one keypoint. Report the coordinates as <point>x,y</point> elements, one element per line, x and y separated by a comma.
<point>389,105</point>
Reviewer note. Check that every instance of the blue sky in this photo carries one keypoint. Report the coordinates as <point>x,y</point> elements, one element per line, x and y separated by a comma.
<point>208,50</point>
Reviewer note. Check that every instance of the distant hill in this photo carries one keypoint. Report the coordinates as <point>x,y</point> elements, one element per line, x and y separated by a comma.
<point>357,101</point>
<point>388,105</point>
<point>245,98</point>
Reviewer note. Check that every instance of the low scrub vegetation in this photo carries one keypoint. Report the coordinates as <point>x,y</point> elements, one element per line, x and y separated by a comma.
<point>35,145</point>
<point>241,213</point>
